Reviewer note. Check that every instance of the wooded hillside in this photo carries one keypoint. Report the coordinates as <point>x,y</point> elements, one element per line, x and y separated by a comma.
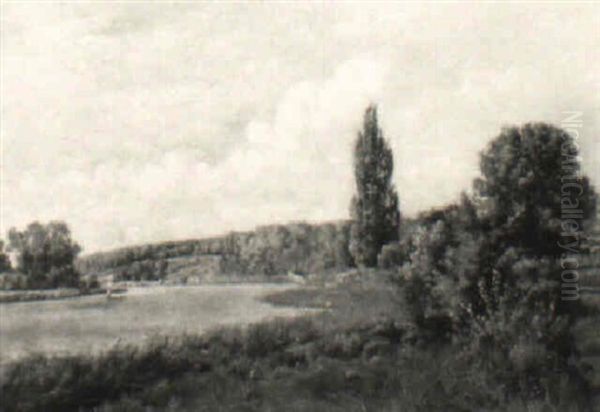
<point>269,250</point>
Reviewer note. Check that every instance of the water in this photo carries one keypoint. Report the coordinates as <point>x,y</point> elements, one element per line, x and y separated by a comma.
<point>92,324</point>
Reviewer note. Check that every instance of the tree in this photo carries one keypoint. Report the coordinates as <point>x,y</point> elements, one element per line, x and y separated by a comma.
<point>4,261</point>
<point>374,208</point>
<point>46,254</point>
<point>487,272</point>
<point>501,250</point>
<point>534,204</point>
<point>531,175</point>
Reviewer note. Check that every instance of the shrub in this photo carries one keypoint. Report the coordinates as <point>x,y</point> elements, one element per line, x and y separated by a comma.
<point>392,255</point>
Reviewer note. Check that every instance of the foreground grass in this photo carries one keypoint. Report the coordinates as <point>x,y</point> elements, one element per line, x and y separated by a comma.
<point>358,354</point>
<point>587,333</point>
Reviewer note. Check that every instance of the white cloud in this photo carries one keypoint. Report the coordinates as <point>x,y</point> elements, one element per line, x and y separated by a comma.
<point>148,123</point>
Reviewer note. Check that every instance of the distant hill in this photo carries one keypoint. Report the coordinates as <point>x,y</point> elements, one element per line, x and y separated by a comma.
<point>269,250</point>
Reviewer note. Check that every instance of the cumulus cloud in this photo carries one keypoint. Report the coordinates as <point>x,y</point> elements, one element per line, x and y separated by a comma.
<point>285,168</point>
<point>136,125</point>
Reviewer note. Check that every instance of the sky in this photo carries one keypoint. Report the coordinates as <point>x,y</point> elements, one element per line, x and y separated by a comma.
<point>140,122</point>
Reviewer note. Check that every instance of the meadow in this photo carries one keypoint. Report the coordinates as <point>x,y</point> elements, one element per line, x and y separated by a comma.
<point>358,353</point>
<point>91,324</point>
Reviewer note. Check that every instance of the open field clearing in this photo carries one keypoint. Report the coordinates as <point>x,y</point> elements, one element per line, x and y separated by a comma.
<point>95,323</point>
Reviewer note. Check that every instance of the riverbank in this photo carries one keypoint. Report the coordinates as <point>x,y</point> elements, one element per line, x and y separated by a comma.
<point>16,296</point>
<point>33,295</point>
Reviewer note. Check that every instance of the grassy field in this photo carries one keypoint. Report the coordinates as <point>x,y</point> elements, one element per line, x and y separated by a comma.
<point>307,361</point>
<point>357,354</point>
<point>83,325</point>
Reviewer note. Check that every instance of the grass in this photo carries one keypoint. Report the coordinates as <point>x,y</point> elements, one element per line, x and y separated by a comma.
<point>249,360</point>
<point>357,354</point>
<point>93,324</point>
<point>587,333</point>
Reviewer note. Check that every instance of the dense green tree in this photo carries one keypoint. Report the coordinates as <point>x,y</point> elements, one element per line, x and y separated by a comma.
<point>46,254</point>
<point>534,205</point>
<point>531,178</point>
<point>490,268</point>
<point>529,204</point>
<point>374,208</point>
<point>487,272</point>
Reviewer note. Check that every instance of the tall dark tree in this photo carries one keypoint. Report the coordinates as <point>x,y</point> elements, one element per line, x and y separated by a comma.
<point>374,208</point>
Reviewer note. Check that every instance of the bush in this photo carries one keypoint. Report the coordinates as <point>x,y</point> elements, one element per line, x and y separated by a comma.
<point>13,281</point>
<point>392,255</point>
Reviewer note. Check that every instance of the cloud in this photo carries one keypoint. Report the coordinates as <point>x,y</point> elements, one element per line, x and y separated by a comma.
<point>140,124</point>
<point>294,160</point>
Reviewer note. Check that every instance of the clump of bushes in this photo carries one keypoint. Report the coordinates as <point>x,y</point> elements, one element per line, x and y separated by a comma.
<point>13,281</point>
<point>393,255</point>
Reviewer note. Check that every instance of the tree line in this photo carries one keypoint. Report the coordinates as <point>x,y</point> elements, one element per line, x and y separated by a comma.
<point>269,250</point>
<point>514,206</point>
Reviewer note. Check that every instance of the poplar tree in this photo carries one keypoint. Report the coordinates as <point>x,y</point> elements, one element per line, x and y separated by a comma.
<point>374,208</point>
